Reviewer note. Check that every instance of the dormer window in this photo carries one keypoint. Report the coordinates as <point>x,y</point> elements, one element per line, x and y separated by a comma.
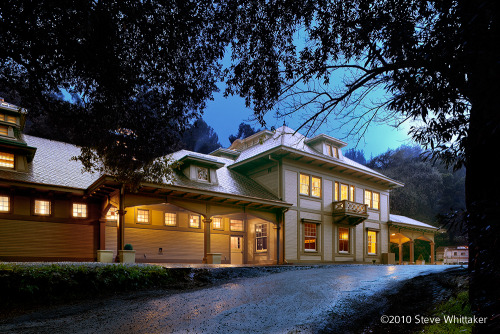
<point>4,130</point>
<point>6,160</point>
<point>332,151</point>
<point>202,174</point>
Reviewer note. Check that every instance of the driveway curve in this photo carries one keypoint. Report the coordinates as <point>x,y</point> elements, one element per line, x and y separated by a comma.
<point>290,301</point>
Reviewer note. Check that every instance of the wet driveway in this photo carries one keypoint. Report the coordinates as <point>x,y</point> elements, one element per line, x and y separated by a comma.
<point>294,300</point>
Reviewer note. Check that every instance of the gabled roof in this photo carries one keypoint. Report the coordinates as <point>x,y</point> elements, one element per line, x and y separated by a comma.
<point>287,142</point>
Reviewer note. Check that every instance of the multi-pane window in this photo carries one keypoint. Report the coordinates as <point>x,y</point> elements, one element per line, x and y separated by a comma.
<point>142,216</point>
<point>194,221</point>
<point>170,219</point>
<point>79,210</point>
<point>372,199</point>
<point>112,214</point>
<point>372,242</point>
<point>344,192</point>
<point>261,237</point>
<point>310,185</point>
<point>11,119</point>
<point>217,223</point>
<point>343,240</point>
<point>4,203</point>
<point>6,160</point>
<point>310,237</point>
<point>304,184</point>
<point>236,225</point>
<point>4,130</point>
<point>202,173</point>
<point>42,207</point>
<point>332,151</point>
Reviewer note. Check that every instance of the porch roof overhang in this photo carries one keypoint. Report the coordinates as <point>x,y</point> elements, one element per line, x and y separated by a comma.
<point>333,165</point>
<point>107,185</point>
<point>401,226</point>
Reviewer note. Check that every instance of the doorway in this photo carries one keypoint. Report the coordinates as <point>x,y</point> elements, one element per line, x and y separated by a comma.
<point>236,250</point>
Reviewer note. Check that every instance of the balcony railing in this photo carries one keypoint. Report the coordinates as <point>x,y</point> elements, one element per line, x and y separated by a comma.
<point>349,212</point>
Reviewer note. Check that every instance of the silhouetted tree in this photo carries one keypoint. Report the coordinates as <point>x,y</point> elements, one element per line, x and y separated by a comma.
<point>356,155</point>
<point>200,137</point>
<point>244,130</point>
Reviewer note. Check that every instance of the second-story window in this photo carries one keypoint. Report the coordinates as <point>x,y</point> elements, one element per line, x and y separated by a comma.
<point>344,192</point>
<point>217,223</point>
<point>170,219</point>
<point>372,199</point>
<point>6,160</point>
<point>4,130</point>
<point>194,221</point>
<point>142,216</point>
<point>236,225</point>
<point>310,185</point>
<point>4,203</point>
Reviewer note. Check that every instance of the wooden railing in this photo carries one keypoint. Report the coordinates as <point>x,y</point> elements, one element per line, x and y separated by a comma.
<point>348,207</point>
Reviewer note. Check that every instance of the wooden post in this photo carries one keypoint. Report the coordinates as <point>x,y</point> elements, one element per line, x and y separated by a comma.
<point>432,254</point>
<point>400,246</point>
<point>206,248</point>
<point>412,252</point>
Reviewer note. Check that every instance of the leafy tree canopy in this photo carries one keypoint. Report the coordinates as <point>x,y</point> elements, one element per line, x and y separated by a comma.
<point>200,137</point>
<point>137,72</point>
<point>244,130</point>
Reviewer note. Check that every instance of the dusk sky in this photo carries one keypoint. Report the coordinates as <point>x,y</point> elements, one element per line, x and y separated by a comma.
<point>225,114</point>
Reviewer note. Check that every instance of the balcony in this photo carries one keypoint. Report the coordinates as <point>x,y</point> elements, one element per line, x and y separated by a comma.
<point>351,213</point>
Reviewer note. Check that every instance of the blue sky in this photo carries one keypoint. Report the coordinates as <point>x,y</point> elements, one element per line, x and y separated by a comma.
<point>225,114</point>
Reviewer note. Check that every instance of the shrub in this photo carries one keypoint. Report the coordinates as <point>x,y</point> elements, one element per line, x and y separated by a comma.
<point>128,247</point>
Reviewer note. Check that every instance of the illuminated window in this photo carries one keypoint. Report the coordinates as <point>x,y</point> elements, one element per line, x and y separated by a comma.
<point>236,225</point>
<point>42,207</point>
<point>142,216</point>
<point>170,219</point>
<point>372,242</point>
<point>194,221</point>
<point>4,203</point>
<point>306,181</point>
<point>261,237</point>
<point>79,210</point>
<point>310,236</point>
<point>112,214</point>
<point>372,199</point>
<point>6,160</point>
<point>11,119</point>
<point>4,130</point>
<point>332,151</point>
<point>304,184</point>
<point>316,186</point>
<point>343,240</point>
<point>217,223</point>
<point>344,192</point>
<point>202,173</point>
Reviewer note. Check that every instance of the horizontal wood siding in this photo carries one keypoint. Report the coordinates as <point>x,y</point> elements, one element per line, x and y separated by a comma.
<point>176,246</point>
<point>32,239</point>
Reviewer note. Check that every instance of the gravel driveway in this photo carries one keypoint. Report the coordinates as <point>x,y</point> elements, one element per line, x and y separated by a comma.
<point>290,301</point>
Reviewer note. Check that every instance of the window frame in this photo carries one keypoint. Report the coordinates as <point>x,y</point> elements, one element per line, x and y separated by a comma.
<point>337,192</point>
<point>174,219</point>
<point>85,205</point>
<point>310,185</point>
<point>34,207</point>
<point>371,200</point>
<point>9,204</point>
<point>4,159</point>
<point>306,236</point>
<point>221,226</point>
<point>242,225</point>
<point>348,240</point>
<point>148,222</point>
<point>263,236</point>
<point>190,222</point>
<point>370,241</point>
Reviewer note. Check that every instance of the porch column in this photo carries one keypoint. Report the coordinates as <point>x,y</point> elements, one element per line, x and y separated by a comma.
<point>412,252</point>
<point>432,253</point>
<point>206,248</point>
<point>400,246</point>
<point>121,220</point>
<point>102,234</point>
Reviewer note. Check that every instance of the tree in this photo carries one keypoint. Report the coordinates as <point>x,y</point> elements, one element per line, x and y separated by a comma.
<point>201,138</point>
<point>433,62</point>
<point>356,155</point>
<point>137,73</point>
<point>244,130</point>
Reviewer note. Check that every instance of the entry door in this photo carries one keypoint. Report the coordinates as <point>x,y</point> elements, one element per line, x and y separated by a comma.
<point>236,250</point>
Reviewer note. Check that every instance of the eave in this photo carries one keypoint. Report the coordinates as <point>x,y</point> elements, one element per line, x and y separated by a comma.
<point>329,163</point>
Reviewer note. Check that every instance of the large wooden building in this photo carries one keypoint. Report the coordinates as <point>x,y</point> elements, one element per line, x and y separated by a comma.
<point>272,197</point>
